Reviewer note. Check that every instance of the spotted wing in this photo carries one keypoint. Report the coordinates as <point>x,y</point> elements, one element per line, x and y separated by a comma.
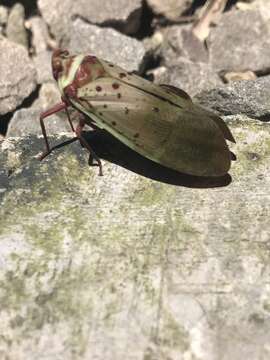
<point>164,127</point>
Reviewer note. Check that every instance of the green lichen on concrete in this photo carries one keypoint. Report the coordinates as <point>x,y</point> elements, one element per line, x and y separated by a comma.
<point>48,191</point>
<point>94,263</point>
<point>150,193</point>
<point>252,144</point>
<point>13,288</point>
<point>173,335</point>
<point>266,305</point>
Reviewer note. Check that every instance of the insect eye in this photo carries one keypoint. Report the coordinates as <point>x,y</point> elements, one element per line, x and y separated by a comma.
<point>65,54</point>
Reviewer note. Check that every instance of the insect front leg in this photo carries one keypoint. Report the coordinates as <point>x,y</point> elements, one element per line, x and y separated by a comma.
<point>55,109</point>
<point>92,155</point>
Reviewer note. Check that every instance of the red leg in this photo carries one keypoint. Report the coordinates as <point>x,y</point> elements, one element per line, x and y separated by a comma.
<point>58,107</point>
<point>64,106</point>
<point>93,155</point>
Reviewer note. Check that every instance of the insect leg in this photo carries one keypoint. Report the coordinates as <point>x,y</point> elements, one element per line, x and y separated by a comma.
<point>58,107</point>
<point>64,143</point>
<point>69,119</point>
<point>93,155</point>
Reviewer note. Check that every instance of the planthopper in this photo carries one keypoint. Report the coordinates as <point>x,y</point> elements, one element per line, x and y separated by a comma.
<point>159,122</point>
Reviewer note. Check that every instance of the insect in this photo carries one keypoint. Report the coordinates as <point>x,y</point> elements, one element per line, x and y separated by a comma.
<point>159,122</point>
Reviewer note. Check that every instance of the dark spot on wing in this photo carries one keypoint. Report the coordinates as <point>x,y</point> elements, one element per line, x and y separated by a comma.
<point>233,156</point>
<point>155,109</point>
<point>126,110</point>
<point>111,65</point>
<point>105,106</point>
<point>122,75</point>
<point>119,95</point>
<point>113,123</point>
<point>136,135</point>
<point>98,88</point>
<point>115,86</point>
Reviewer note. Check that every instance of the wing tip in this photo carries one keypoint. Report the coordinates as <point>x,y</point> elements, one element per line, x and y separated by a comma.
<point>233,156</point>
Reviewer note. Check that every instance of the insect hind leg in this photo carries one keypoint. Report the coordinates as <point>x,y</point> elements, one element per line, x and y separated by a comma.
<point>92,155</point>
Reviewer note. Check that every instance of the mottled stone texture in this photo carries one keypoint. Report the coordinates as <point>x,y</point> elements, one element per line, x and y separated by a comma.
<point>42,62</point>
<point>3,14</point>
<point>18,75</point>
<point>59,16</point>
<point>40,34</point>
<point>190,76</point>
<point>186,61</point>
<point>241,41</point>
<point>26,122</point>
<point>3,17</point>
<point>247,97</point>
<point>171,9</point>
<point>125,267</point>
<point>15,30</point>
<point>118,48</point>
<point>179,42</point>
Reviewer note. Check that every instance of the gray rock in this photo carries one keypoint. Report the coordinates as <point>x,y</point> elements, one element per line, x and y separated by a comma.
<point>15,30</point>
<point>242,97</point>
<point>18,75</point>
<point>186,61</point>
<point>171,9</point>
<point>179,41</point>
<point>123,13</point>
<point>40,34</point>
<point>26,122</point>
<point>92,266</point>
<point>49,95</point>
<point>108,44</point>
<point>58,17</point>
<point>261,5</point>
<point>189,76</point>
<point>42,61</point>
<point>240,41</point>
<point>3,15</point>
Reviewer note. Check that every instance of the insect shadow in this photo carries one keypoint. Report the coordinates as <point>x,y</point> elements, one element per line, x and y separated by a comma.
<point>109,148</point>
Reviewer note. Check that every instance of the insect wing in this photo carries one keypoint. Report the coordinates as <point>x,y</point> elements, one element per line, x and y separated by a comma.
<point>157,123</point>
<point>148,87</point>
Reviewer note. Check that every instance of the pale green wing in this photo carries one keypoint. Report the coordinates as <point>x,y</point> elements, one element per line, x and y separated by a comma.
<point>138,82</point>
<point>181,138</point>
<point>176,91</point>
<point>169,92</point>
<point>217,119</point>
<point>127,113</point>
<point>221,124</point>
